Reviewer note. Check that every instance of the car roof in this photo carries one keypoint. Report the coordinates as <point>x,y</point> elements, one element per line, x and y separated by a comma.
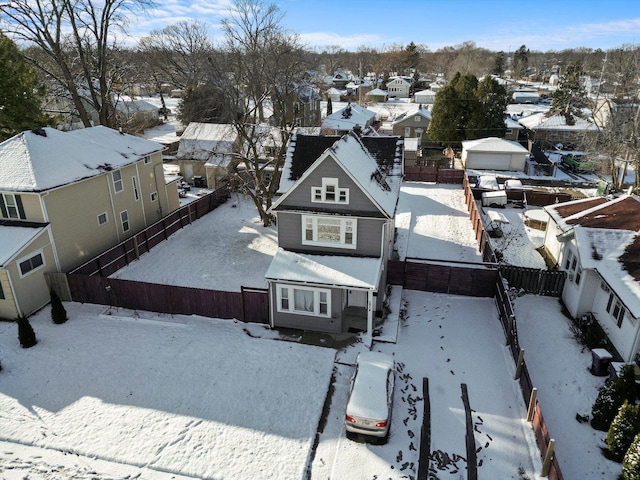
<point>369,395</point>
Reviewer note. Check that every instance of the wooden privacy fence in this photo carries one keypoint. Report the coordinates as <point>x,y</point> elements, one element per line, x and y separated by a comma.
<point>532,280</point>
<point>551,466</point>
<point>248,305</point>
<point>433,174</point>
<point>125,252</point>
<point>456,278</point>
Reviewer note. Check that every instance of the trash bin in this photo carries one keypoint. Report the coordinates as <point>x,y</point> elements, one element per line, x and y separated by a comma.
<point>198,181</point>
<point>600,360</point>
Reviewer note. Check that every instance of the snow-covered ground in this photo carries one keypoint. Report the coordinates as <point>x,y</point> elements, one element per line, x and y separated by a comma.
<point>139,394</point>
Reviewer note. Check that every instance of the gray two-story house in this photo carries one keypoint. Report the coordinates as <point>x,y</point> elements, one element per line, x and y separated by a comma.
<point>335,232</point>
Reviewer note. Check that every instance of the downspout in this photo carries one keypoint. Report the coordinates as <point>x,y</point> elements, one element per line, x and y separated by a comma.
<point>165,198</point>
<point>45,217</point>
<point>368,341</point>
<point>141,197</point>
<point>116,218</point>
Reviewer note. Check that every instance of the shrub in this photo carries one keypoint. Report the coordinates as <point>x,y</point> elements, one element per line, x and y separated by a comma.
<point>26,335</point>
<point>58,312</point>
<point>611,397</point>
<point>623,429</point>
<point>631,462</point>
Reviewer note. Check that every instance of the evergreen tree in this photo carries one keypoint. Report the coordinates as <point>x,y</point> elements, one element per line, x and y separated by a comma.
<point>26,335</point>
<point>20,95</point>
<point>467,109</point>
<point>520,62</point>
<point>412,56</point>
<point>329,107</point>
<point>631,462</point>
<point>611,397</point>
<point>499,64</point>
<point>624,428</point>
<point>571,96</point>
<point>58,312</point>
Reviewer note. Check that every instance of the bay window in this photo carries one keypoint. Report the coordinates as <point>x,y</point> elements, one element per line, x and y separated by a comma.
<point>329,231</point>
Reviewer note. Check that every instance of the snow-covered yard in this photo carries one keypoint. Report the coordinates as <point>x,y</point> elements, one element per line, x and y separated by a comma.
<point>113,394</point>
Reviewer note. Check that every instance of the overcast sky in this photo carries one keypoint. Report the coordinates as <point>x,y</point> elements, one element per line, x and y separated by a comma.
<point>493,24</point>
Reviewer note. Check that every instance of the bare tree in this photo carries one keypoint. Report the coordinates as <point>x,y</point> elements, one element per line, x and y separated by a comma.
<point>258,74</point>
<point>78,38</point>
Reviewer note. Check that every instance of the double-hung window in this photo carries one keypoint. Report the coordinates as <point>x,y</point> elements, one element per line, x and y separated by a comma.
<point>134,182</point>
<point>124,218</point>
<point>304,300</point>
<point>616,309</point>
<point>117,181</point>
<point>11,206</point>
<point>337,232</point>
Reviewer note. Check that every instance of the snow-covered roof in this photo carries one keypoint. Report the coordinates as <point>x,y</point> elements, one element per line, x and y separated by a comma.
<point>13,239</point>
<point>512,124</point>
<point>427,92</point>
<point>493,144</point>
<point>348,117</point>
<point>421,112</point>
<point>622,213</point>
<point>376,92</point>
<point>354,158</point>
<point>540,121</point>
<point>131,106</point>
<point>330,270</point>
<point>601,250</point>
<point>205,141</point>
<point>46,158</point>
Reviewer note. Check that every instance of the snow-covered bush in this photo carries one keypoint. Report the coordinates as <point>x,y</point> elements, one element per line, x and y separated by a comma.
<point>611,397</point>
<point>58,312</point>
<point>623,430</point>
<point>631,462</point>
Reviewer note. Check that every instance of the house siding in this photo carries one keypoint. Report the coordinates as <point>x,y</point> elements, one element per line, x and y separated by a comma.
<point>8,308</point>
<point>300,198</point>
<point>368,236</point>
<point>309,322</point>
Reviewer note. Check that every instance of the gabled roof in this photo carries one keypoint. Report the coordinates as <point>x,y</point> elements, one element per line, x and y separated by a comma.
<point>304,150</point>
<point>421,112</point>
<point>378,92</point>
<point>38,160</point>
<point>355,160</point>
<point>540,121</point>
<point>330,270</point>
<point>560,212</point>
<point>348,117</point>
<point>206,141</point>
<point>14,238</point>
<point>614,255</point>
<point>493,144</point>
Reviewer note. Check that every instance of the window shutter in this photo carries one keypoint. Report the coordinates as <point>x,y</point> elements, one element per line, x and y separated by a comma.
<point>3,208</point>
<point>21,213</point>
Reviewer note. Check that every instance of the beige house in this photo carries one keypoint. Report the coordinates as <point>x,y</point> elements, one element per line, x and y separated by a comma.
<point>414,125</point>
<point>66,197</point>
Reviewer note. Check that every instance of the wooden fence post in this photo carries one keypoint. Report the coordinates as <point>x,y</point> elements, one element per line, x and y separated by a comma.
<point>510,321</point>
<point>519,364</point>
<point>135,247</point>
<point>546,464</point>
<point>532,403</point>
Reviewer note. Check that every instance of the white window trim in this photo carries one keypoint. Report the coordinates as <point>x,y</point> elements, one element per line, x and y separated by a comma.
<point>29,257</point>
<point>117,183</point>
<point>15,198</point>
<point>322,192</point>
<point>147,159</point>
<point>154,196</point>
<point>343,230</point>
<point>316,300</point>
<point>106,218</point>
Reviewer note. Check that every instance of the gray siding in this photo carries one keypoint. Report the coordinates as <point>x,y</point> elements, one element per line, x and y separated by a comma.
<point>368,237</point>
<point>309,322</point>
<point>300,197</point>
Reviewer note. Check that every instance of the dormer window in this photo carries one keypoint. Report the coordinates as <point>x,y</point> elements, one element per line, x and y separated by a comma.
<point>329,192</point>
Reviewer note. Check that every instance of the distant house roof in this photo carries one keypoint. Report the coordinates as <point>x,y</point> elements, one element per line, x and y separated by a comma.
<point>348,117</point>
<point>350,153</point>
<point>512,124</point>
<point>304,150</point>
<point>38,160</point>
<point>377,92</point>
<point>132,106</point>
<point>422,112</point>
<point>207,142</point>
<point>493,144</point>
<point>540,121</point>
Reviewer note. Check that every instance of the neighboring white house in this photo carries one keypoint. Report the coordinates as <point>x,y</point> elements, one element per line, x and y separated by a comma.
<point>598,248</point>
<point>345,119</point>
<point>399,87</point>
<point>494,154</point>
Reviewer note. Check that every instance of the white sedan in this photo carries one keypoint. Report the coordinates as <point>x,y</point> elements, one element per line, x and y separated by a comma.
<point>371,396</point>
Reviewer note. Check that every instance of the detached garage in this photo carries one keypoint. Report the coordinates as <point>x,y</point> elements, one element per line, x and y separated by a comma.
<point>494,154</point>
